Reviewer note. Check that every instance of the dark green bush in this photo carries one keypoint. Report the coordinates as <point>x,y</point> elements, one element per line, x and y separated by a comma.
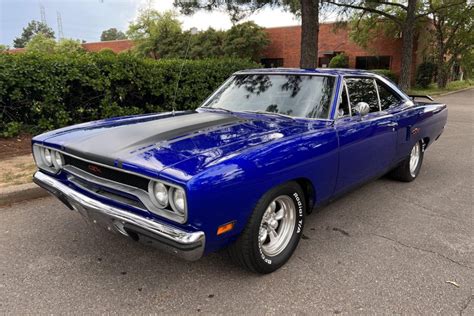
<point>11,129</point>
<point>43,92</point>
<point>425,74</point>
<point>339,61</point>
<point>386,73</point>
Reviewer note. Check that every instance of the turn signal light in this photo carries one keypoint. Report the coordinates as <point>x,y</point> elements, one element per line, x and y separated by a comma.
<point>225,228</point>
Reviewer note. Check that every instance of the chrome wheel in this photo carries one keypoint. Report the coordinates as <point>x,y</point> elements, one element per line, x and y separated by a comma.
<point>277,225</point>
<point>415,159</point>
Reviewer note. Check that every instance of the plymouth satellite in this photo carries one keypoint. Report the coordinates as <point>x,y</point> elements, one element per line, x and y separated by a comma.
<point>244,169</point>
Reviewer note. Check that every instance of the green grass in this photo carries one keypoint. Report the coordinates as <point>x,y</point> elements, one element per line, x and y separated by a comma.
<point>452,86</point>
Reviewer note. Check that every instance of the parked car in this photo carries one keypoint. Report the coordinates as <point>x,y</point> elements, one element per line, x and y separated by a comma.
<point>243,170</point>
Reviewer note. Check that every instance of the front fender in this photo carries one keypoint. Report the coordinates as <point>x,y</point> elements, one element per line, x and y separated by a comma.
<point>229,190</point>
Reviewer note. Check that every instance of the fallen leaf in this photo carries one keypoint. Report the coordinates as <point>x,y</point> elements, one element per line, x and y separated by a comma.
<point>453,283</point>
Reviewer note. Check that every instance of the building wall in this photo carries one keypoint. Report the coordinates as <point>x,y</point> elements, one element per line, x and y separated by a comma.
<point>116,46</point>
<point>285,43</point>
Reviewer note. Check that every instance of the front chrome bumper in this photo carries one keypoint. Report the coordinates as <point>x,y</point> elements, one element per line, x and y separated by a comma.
<point>187,245</point>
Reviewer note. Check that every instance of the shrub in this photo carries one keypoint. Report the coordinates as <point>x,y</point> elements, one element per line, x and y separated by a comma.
<point>12,129</point>
<point>425,74</point>
<point>339,61</point>
<point>386,73</point>
<point>47,91</point>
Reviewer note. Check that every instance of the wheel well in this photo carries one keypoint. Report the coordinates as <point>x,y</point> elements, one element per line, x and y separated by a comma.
<point>309,192</point>
<point>425,142</point>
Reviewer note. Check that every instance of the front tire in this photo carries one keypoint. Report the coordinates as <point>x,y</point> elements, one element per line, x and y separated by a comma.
<point>273,230</point>
<point>409,169</point>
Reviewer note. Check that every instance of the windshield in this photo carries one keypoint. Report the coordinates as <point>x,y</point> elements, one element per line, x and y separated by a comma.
<point>294,95</point>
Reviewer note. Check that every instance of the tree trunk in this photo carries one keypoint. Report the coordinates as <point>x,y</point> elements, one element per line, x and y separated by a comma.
<point>408,30</point>
<point>442,68</point>
<point>309,33</point>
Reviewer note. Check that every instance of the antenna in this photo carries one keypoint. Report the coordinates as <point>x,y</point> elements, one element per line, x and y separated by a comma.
<point>192,32</point>
<point>60,26</point>
<point>43,13</point>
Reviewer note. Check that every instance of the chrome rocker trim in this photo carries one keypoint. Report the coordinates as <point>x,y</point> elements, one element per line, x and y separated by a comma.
<point>186,245</point>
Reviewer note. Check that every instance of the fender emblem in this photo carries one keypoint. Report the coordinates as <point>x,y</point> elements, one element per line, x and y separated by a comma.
<point>94,169</point>
<point>415,131</point>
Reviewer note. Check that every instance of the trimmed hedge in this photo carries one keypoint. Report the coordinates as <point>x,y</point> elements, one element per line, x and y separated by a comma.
<point>41,92</point>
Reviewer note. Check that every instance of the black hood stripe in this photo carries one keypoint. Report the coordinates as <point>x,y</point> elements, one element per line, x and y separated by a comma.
<point>106,144</point>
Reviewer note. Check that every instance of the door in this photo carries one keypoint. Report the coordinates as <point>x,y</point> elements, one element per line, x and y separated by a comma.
<point>367,144</point>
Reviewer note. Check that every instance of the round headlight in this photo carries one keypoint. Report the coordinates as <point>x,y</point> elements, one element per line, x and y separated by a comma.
<point>58,159</point>
<point>160,193</point>
<point>179,200</point>
<point>48,159</point>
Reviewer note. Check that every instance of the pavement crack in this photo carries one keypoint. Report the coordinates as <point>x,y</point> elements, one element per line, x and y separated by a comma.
<point>427,210</point>
<point>424,250</point>
<point>466,304</point>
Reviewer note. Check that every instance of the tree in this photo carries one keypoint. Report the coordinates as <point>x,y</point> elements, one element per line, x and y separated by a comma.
<point>245,40</point>
<point>238,9</point>
<point>3,48</point>
<point>339,61</point>
<point>41,43</point>
<point>206,44</point>
<point>112,34</point>
<point>453,23</point>
<point>157,35</point>
<point>33,28</point>
<point>69,46</point>
<point>404,16</point>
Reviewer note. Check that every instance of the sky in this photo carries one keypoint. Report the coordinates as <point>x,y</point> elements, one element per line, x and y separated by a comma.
<point>86,19</point>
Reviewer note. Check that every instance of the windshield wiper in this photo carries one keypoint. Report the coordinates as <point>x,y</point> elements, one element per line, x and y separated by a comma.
<point>271,113</point>
<point>218,108</point>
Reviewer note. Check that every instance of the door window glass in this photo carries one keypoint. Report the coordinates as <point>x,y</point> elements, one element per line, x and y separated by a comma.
<point>388,98</point>
<point>363,90</point>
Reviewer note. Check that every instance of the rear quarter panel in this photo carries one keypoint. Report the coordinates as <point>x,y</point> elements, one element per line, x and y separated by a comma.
<point>423,121</point>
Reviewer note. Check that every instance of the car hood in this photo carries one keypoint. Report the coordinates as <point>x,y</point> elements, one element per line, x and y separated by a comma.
<point>151,143</point>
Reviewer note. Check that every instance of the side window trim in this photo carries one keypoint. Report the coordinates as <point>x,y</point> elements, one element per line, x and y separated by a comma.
<point>347,97</point>
<point>378,94</point>
<point>344,89</point>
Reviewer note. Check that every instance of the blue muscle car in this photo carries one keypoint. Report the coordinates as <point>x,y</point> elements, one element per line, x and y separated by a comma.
<point>244,169</point>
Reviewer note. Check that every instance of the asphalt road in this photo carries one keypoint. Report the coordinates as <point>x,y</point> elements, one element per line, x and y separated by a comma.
<point>387,247</point>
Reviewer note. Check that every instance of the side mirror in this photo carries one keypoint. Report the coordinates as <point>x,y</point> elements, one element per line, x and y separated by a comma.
<point>361,109</point>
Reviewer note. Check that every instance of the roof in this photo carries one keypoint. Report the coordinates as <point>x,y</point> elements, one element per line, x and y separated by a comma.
<point>324,71</point>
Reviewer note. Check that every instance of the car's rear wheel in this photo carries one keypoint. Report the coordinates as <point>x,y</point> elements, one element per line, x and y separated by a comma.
<point>273,230</point>
<point>409,169</point>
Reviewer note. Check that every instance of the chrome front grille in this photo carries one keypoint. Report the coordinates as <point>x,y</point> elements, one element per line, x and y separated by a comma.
<point>134,196</point>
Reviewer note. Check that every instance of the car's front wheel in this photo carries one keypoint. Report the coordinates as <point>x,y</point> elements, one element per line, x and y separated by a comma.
<point>409,169</point>
<point>273,230</point>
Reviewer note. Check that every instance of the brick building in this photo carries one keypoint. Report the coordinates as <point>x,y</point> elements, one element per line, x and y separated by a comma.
<point>284,49</point>
<point>383,52</point>
<point>116,46</point>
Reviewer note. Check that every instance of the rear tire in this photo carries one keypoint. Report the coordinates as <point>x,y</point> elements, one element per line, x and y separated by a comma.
<point>273,230</point>
<point>409,169</point>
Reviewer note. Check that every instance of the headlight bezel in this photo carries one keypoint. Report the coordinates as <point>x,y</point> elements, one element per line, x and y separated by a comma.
<point>172,199</point>
<point>152,192</point>
<point>50,165</point>
<point>171,205</point>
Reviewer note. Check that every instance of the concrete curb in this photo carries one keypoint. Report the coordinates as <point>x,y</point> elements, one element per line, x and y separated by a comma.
<point>19,193</point>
